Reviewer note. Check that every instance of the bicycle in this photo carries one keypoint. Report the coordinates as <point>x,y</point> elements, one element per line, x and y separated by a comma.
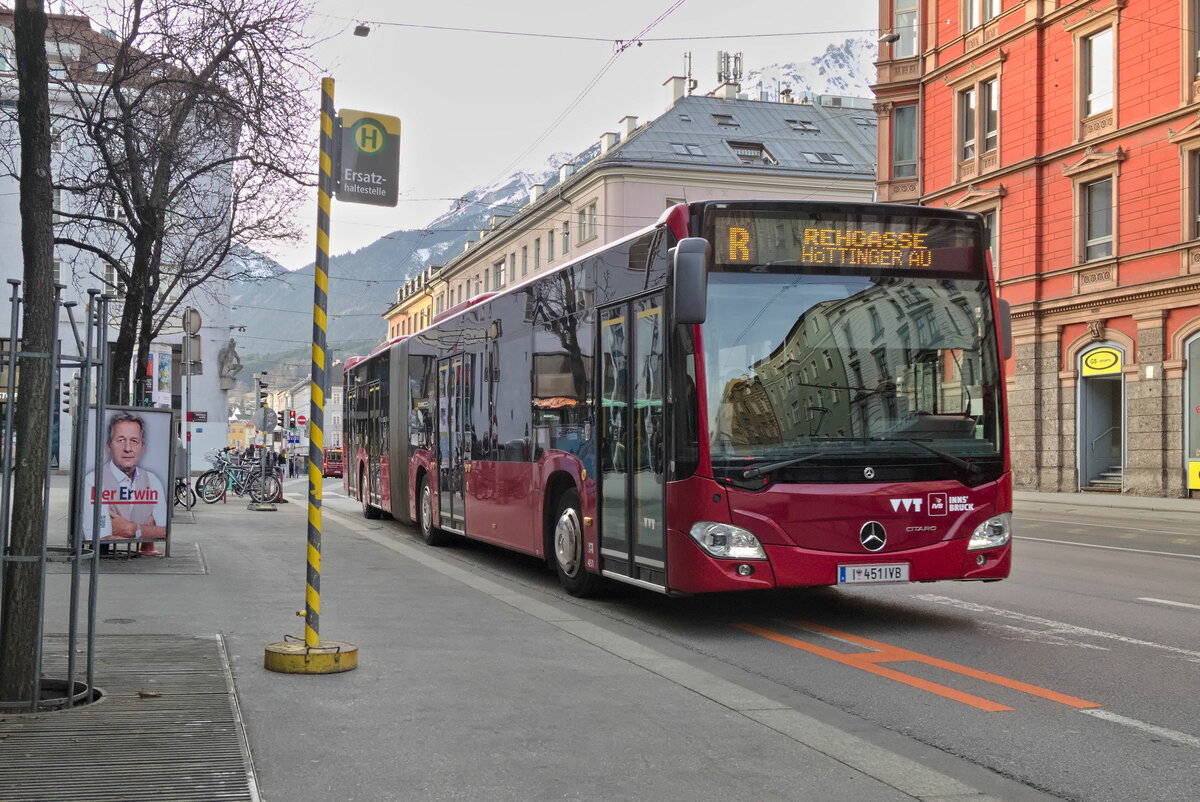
<point>228,475</point>
<point>185,496</point>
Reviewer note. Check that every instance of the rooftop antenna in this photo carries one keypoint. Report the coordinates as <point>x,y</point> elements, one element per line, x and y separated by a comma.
<point>687,62</point>
<point>729,67</point>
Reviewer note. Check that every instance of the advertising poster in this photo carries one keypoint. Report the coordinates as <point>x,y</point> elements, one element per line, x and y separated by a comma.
<point>134,469</point>
<point>162,374</point>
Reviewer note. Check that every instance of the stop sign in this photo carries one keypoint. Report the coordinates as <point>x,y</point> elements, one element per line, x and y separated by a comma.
<point>301,420</point>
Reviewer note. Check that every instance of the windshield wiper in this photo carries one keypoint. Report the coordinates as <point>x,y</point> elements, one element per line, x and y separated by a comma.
<point>957,462</point>
<point>750,473</point>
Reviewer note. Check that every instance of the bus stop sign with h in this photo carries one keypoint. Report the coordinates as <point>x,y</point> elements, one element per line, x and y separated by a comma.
<point>368,152</point>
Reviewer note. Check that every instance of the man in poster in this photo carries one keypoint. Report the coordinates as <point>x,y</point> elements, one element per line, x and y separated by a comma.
<point>133,499</point>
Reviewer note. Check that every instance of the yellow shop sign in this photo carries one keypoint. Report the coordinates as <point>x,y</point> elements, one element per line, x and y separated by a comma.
<point>1101,361</point>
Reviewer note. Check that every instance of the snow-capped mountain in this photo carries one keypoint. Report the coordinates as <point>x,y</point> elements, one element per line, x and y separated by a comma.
<point>843,69</point>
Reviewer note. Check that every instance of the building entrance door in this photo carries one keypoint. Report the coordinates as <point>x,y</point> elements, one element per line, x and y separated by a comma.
<point>1102,433</point>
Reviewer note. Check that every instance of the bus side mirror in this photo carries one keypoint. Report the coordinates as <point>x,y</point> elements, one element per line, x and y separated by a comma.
<point>690,300</point>
<point>1006,346</point>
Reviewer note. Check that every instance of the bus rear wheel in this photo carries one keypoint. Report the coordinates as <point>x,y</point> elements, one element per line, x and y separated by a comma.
<point>430,533</point>
<point>568,543</point>
<point>368,510</point>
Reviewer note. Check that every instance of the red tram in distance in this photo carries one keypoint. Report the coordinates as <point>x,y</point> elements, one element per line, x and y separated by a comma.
<point>744,395</point>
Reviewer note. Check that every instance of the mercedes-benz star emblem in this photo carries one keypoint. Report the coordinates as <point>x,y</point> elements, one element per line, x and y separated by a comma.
<point>872,536</point>
<point>869,472</point>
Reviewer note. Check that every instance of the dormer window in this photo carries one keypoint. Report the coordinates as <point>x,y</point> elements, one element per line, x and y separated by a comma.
<point>726,120</point>
<point>753,153</point>
<point>686,150</point>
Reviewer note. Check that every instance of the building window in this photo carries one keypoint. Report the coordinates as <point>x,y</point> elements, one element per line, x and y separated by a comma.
<point>826,158</point>
<point>904,25</point>
<point>524,260</point>
<point>537,253</point>
<point>904,141</point>
<point>753,153</point>
<point>977,12</point>
<point>683,149</point>
<point>113,282</point>
<point>498,272</point>
<point>566,237</point>
<point>977,123</point>
<point>58,205</point>
<point>587,222</point>
<point>486,283</point>
<point>58,271</point>
<point>1098,219</point>
<point>726,120</point>
<point>803,125</point>
<point>1098,72</point>
<point>549,246</point>
<point>1193,194</point>
<point>966,124</point>
<point>512,266</point>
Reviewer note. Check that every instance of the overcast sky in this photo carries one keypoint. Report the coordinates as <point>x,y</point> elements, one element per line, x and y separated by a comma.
<point>475,107</point>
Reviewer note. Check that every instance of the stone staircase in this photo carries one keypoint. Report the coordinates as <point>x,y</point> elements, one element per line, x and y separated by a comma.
<point>1110,481</point>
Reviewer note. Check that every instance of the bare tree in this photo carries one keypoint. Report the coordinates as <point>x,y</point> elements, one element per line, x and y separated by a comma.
<point>22,582</point>
<point>183,138</point>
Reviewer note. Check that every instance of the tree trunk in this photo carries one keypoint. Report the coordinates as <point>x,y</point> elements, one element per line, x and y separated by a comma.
<point>22,585</point>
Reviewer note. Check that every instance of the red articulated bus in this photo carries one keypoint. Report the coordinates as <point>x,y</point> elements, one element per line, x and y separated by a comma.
<point>745,395</point>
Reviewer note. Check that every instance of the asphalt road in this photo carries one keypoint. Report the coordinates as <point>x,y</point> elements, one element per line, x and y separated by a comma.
<point>1079,676</point>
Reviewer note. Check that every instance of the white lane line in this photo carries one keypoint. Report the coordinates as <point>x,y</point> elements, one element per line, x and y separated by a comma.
<point>1107,548</point>
<point>1168,601</point>
<point>1099,525</point>
<point>1152,729</point>
<point>1055,627</point>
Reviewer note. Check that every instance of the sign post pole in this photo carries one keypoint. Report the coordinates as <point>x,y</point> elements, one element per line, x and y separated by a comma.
<point>315,656</point>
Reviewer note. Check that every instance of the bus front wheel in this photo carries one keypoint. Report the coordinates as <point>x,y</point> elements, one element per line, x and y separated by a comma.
<point>429,531</point>
<point>568,543</point>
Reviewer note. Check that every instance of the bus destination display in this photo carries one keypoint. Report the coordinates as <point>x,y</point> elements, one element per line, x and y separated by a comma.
<point>764,240</point>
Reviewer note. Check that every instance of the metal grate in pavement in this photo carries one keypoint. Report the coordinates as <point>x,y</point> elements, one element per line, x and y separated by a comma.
<point>186,558</point>
<point>168,728</point>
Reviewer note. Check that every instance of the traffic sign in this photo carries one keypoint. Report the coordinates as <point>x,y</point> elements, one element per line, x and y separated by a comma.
<point>265,419</point>
<point>369,164</point>
<point>301,420</point>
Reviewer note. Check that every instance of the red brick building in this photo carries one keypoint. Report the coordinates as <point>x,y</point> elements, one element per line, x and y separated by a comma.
<point>1075,128</point>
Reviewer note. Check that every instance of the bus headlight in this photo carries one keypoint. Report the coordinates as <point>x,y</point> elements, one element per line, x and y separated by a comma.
<point>992,533</point>
<point>726,541</point>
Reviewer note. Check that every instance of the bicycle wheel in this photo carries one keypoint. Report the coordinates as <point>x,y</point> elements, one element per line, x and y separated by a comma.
<point>211,486</point>
<point>265,489</point>
<point>184,495</point>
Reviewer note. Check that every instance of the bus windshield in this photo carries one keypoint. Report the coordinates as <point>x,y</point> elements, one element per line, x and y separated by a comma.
<point>802,363</point>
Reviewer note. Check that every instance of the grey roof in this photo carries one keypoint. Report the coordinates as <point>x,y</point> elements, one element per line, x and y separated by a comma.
<point>793,134</point>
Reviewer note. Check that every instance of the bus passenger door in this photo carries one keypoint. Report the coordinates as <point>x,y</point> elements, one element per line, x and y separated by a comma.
<point>453,445</point>
<point>632,449</point>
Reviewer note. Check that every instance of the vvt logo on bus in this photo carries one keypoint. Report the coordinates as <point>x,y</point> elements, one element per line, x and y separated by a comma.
<point>906,504</point>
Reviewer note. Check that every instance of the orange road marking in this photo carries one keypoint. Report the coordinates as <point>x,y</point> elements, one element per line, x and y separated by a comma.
<point>886,653</point>
<point>858,661</point>
<point>905,654</point>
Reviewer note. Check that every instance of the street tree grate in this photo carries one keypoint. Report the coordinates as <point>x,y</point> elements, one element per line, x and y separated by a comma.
<point>167,728</point>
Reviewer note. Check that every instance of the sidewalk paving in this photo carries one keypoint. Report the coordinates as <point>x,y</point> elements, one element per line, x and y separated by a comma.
<point>474,686</point>
<point>1101,501</point>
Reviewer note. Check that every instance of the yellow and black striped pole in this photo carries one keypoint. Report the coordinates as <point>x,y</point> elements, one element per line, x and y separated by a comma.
<point>315,656</point>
